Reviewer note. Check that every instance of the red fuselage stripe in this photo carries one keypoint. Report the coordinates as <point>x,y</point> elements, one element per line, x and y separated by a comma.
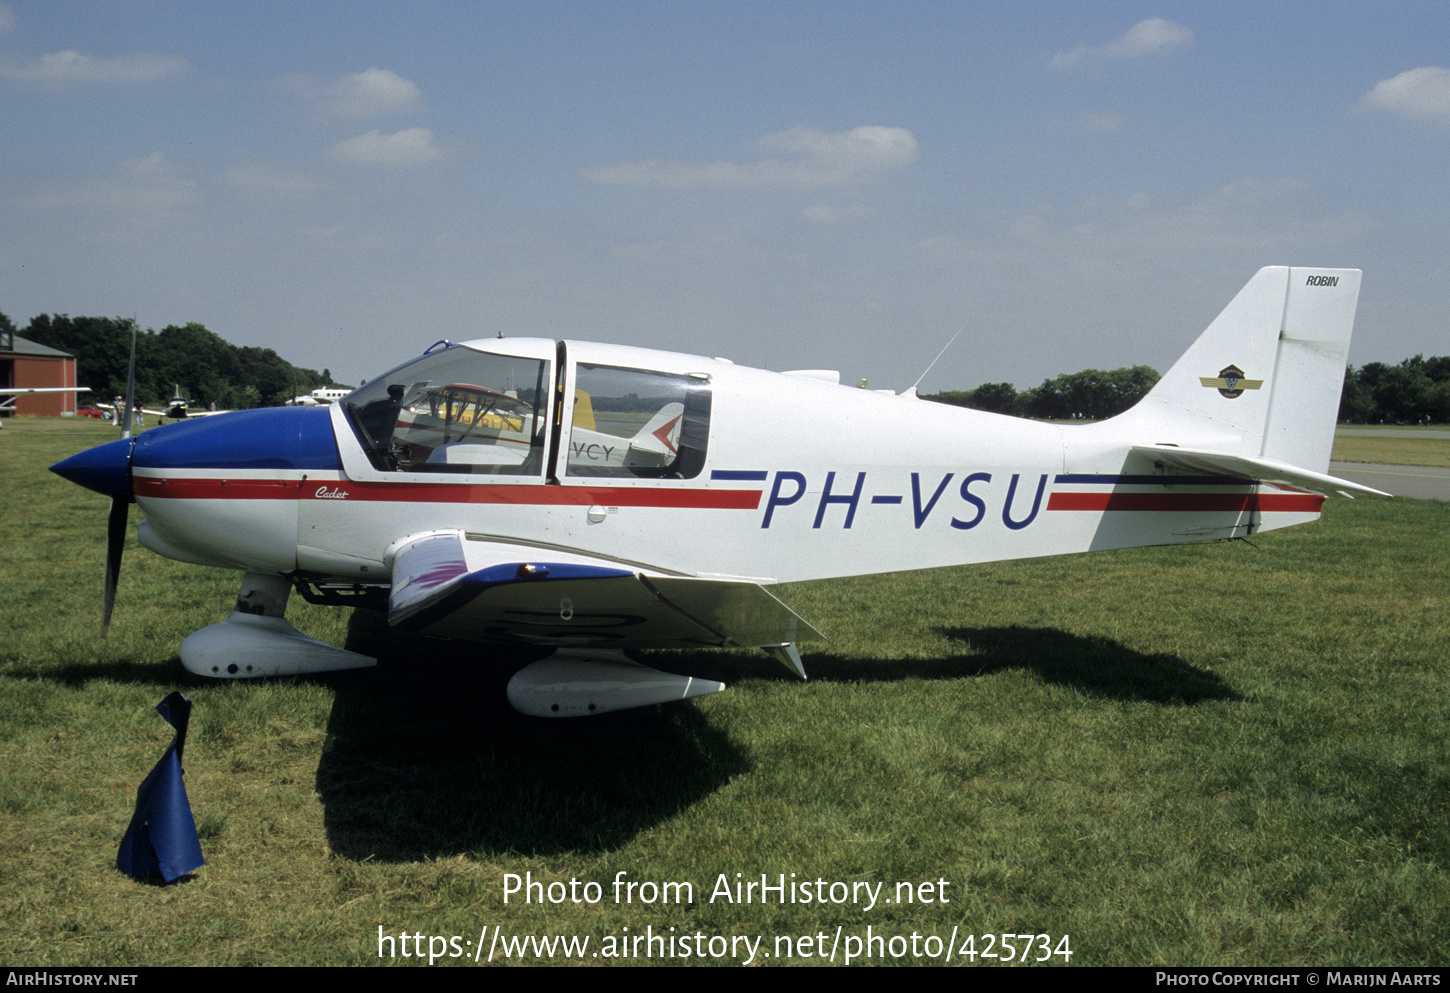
<point>1264,502</point>
<point>629,496</point>
<point>343,490</point>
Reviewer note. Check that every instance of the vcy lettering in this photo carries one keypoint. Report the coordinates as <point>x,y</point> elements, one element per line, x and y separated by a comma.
<point>975,490</point>
<point>592,451</point>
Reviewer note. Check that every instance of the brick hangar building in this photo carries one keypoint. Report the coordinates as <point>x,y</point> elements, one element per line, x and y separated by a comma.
<point>26,365</point>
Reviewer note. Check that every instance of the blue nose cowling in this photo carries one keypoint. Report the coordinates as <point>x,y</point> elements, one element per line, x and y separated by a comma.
<point>267,438</point>
<point>105,468</point>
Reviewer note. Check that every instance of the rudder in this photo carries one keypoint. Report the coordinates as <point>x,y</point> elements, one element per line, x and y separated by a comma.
<point>1309,371</point>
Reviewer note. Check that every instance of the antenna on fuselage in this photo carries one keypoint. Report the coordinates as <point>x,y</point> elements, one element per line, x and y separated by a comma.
<point>911,390</point>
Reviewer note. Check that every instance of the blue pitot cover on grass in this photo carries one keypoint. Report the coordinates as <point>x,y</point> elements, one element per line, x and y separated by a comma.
<point>162,837</point>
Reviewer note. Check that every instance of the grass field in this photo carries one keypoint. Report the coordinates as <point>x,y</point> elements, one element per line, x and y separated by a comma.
<point>1393,451</point>
<point>1225,754</point>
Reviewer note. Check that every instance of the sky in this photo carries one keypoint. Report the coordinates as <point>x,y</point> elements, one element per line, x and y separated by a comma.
<point>788,184</point>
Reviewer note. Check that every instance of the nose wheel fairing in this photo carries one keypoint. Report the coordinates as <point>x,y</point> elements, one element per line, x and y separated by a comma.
<point>256,640</point>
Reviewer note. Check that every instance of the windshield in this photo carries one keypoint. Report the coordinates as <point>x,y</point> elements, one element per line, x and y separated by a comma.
<point>457,410</point>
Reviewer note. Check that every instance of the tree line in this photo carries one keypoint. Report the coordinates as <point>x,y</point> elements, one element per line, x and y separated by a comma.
<point>1417,391</point>
<point>209,371</point>
<point>1093,394</point>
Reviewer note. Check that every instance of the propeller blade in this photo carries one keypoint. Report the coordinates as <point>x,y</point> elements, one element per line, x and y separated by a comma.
<point>116,523</point>
<point>130,392</point>
<point>115,545</point>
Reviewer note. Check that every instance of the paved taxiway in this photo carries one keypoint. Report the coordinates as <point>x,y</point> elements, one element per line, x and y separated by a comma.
<point>1417,481</point>
<point>1421,482</point>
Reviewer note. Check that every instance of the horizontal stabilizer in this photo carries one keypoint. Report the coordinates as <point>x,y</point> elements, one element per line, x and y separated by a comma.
<point>1267,470</point>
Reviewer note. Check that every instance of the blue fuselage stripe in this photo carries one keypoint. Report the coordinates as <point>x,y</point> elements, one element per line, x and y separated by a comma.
<point>1109,479</point>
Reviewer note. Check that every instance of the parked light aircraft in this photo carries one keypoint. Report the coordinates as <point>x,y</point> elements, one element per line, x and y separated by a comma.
<point>319,397</point>
<point>177,408</point>
<point>596,497</point>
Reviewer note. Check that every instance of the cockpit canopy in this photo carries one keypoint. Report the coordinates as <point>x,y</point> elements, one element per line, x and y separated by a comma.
<point>456,410</point>
<point>461,409</point>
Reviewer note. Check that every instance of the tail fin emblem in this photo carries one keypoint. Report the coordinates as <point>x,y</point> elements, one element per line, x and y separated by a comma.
<point>1230,382</point>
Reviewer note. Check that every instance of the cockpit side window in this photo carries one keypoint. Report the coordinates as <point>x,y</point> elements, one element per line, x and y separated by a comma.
<point>455,411</point>
<point>637,423</point>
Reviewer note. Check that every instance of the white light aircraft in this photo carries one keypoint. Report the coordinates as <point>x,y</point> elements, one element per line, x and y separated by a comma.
<point>177,408</point>
<point>319,397</point>
<point>595,497</point>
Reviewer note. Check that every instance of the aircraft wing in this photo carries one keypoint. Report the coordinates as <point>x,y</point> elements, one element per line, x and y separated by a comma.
<point>9,391</point>
<point>1269,470</point>
<point>455,587</point>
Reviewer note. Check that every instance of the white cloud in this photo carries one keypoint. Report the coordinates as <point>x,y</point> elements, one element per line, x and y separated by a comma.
<point>71,68</point>
<point>272,181</point>
<point>859,148</point>
<point>408,147</point>
<point>370,93</point>
<point>1154,36</point>
<point>1422,93</point>
<point>816,159</point>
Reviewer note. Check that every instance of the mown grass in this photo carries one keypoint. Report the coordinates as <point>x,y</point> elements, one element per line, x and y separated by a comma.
<point>1392,451</point>
<point>1223,754</point>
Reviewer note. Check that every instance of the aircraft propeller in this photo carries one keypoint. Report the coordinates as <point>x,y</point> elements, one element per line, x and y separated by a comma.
<point>120,506</point>
<point>115,544</point>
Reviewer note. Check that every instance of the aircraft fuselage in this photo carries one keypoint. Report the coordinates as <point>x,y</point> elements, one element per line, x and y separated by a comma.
<point>798,479</point>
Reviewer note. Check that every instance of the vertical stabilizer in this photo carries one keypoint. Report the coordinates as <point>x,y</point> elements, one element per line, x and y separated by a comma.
<point>1264,380</point>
